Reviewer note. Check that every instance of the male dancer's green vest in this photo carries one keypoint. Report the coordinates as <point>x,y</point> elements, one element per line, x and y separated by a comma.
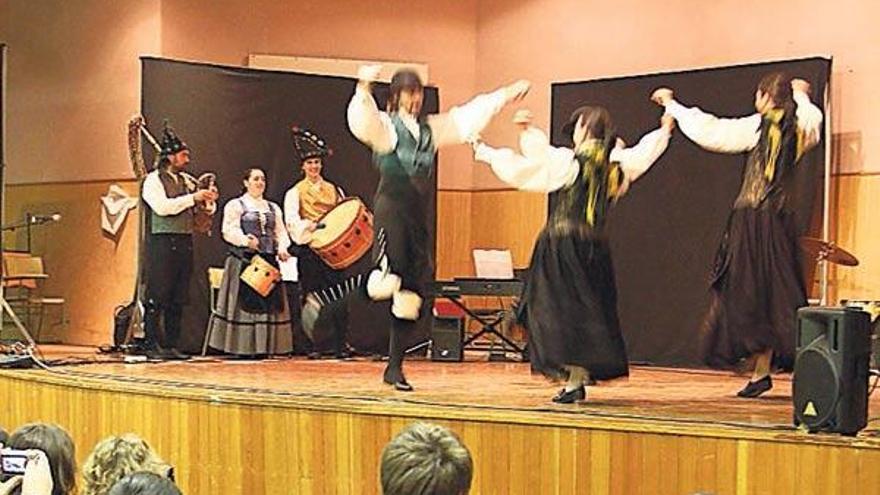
<point>408,169</point>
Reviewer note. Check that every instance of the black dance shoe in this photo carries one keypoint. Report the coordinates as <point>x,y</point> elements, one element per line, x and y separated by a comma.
<point>342,354</point>
<point>401,385</point>
<point>397,380</point>
<point>157,353</point>
<point>754,389</point>
<point>570,397</point>
<point>175,355</point>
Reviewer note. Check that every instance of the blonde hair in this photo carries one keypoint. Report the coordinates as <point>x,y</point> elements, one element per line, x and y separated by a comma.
<point>115,457</point>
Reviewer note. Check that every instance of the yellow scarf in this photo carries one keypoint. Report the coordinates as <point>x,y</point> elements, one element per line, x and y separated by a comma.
<point>774,141</point>
<point>593,153</point>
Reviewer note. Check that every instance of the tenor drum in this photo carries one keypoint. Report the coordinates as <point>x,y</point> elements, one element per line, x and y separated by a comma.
<point>346,236</point>
<point>261,276</point>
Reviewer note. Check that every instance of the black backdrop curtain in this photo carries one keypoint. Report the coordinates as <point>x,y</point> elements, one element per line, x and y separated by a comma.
<point>665,231</point>
<point>235,118</point>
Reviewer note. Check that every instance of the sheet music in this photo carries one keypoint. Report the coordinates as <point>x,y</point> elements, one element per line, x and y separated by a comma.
<point>289,270</point>
<point>493,263</point>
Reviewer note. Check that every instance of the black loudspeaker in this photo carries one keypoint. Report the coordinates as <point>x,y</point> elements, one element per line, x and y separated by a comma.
<point>447,339</point>
<point>830,384</point>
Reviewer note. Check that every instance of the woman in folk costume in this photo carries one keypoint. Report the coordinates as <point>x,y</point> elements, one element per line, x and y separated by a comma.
<point>757,281</point>
<point>404,146</point>
<point>304,204</point>
<point>245,322</point>
<point>569,301</point>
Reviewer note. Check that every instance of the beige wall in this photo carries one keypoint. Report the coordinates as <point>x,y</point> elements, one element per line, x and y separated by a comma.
<point>74,80</point>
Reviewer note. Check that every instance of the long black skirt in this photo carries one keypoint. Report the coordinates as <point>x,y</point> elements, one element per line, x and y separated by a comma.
<point>757,288</point>
<point>569,307</point>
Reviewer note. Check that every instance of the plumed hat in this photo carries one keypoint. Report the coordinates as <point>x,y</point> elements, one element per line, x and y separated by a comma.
<point>171,144</point>
<point>309,145</point>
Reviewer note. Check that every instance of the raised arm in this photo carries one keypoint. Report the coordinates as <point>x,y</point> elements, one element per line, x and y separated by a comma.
<point>636,160</point>
<point>724,135</point>
<point>464,122</point>
<point>368,124</point>
<point>809,117</point>
<point>541,167</point>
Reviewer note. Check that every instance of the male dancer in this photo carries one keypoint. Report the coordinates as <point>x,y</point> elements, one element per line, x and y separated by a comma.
<point>404,147</point>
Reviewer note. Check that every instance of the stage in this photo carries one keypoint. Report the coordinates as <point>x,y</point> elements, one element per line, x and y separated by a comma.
<point>306,426</point>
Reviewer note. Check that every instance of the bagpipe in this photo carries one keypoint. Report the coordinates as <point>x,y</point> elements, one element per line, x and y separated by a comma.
<point>203,214</point>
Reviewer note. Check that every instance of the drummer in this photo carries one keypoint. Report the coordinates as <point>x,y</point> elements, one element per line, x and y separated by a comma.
<point>304,204</point>
<point>246,322</point>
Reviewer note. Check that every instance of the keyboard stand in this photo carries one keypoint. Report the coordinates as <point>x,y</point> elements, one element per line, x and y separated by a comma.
<point>489,328</point>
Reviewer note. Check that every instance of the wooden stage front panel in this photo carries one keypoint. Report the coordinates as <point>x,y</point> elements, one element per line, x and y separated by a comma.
<point>299,426</point>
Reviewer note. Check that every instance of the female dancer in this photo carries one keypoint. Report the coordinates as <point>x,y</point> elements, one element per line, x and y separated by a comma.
<point>757,283</point>
<point>569,302</point>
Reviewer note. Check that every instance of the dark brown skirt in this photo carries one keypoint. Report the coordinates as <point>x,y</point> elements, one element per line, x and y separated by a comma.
<point>569,307</point>
<point>757,288</point>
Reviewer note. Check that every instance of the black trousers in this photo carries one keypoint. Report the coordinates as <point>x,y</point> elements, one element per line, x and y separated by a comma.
<point>169,270</point>
<point>407,245</point>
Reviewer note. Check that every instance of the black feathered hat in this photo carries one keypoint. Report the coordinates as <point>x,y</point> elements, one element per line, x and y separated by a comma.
<point>171,144</point>
<point>309,145</point>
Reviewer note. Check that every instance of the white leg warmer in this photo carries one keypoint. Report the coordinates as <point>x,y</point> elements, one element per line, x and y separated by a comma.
<point>381,285</point>
<point>406,305</point>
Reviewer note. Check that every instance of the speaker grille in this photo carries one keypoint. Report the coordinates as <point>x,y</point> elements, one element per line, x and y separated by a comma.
<point>816,386</point>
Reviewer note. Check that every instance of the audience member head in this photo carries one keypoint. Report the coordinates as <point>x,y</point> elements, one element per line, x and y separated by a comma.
<point>426,459</point>
<point>114,458</point>
<point>144,483</point>
<point>58,447</point>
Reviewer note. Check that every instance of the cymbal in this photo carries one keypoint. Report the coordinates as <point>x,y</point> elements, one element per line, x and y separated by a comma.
<point>828,251</point>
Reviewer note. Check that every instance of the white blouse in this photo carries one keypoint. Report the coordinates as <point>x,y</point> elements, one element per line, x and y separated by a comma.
<point>233,211</point>
<point>738,135</point>
<point>462,123</point>
<point>154,194</point>
<point>545,168</point>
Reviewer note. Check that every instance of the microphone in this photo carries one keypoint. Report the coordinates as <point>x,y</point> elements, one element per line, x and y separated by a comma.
<point>54,217</point>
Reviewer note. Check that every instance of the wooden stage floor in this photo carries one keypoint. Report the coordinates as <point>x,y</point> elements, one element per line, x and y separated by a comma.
<point>650,393</point>
<point>299,426</point>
